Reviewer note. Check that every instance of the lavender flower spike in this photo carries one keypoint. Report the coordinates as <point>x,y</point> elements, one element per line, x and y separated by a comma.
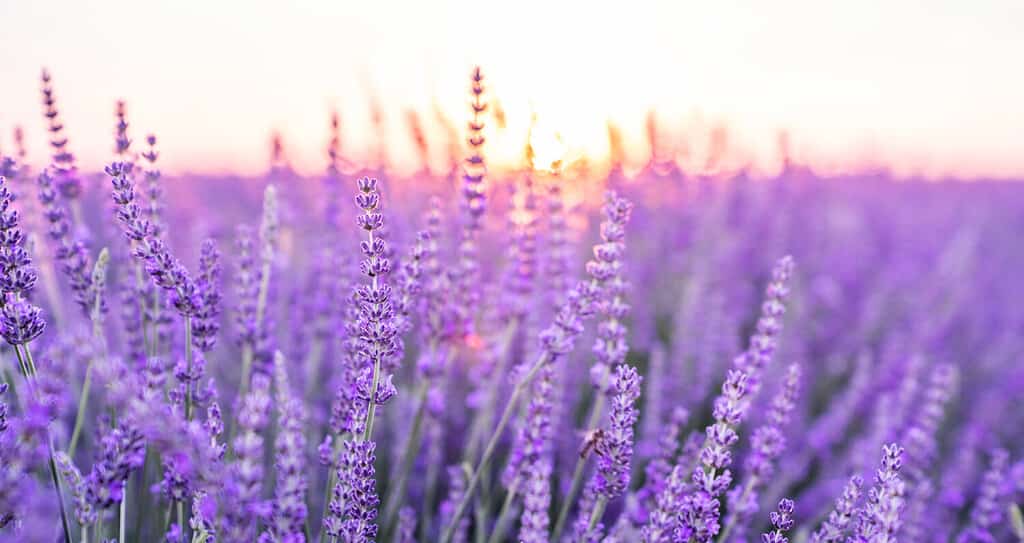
<point>376,315</point>
<point>243,490</point>
<point>768,443</point>
<point>290,511</point>
<point>664,520</point>
<point>782,521</point>
<point>68,183</point>
<point>766,335</point>
<point>839,519</point>
<point>879,519</point>
<point>615,448</point>
<point>989,509</point>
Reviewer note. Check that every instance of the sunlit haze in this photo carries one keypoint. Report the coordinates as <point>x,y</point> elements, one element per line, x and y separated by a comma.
<point>920,88</point>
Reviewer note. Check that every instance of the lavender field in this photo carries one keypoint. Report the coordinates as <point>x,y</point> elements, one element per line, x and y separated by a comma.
<point>526,356</point>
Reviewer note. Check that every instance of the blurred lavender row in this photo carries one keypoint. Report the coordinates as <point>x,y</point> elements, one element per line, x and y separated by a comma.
<point>534,356</point>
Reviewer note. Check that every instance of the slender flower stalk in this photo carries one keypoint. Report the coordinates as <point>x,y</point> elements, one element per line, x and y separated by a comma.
<point>65,171</point>
<point>376,313</point>
<point>768,443</point>
<point>122,143</point>
<point>474,203</point>
<point>610,347</point>
<point>556,341</point>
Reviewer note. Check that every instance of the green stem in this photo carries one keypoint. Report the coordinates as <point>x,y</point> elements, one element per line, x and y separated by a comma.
<point>593,419</point>
<point>122,533</point>
<point>188,365</point>
<point>501,525</point>
<point>83,400</point>
<point>483,417</point>
<point>181,517</point>
<point>59,488</point>
<point>394,497</point>
<point>595,517</point>
<point>492,446</point>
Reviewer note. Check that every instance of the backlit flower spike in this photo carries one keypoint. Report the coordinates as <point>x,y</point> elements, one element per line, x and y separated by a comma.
<point>65,172</point>
<point>122,143</point>
<point>154,190</point>
<point>466,273</point>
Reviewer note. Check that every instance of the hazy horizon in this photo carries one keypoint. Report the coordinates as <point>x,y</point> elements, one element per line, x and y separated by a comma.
<point>918,88</point>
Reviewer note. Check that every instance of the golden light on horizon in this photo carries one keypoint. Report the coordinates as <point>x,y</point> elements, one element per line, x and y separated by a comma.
<point>400,83</point>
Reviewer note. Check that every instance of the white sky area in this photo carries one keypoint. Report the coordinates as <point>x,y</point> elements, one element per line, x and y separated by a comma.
<point>922,87</point>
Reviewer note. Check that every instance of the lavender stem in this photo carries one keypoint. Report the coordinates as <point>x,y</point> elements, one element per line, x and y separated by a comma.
<point>492,446</point>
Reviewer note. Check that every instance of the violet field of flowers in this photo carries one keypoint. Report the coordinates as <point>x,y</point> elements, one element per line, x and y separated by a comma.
<point>649,358</point>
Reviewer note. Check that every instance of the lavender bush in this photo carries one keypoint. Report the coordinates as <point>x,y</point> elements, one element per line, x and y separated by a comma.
<point>379,358</point>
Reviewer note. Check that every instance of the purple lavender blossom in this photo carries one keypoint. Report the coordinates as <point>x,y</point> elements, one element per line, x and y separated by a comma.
<point>377,332</point>
<point>615,448</point>
<point>66,173</point>
<point>879,519</point>
<point>989,508</point>
<point>16,273</point>
<point>782,522</point>
<point>206,323</point>
<point>122,143</point>
<point>767,444</point>
<point>701,510</point>
<point>839,520</point>
<point>764,342</point>
<point>244,503</point>
<point>664,519</point>
<point>356,488</point>
<point>407,525</point>
<point>151,251</point>
<point>289,514</point>
<point>122,450</point>
<point>69,251</point>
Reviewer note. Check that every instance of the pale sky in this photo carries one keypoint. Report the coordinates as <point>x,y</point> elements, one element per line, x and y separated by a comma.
<point>929,86</point>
